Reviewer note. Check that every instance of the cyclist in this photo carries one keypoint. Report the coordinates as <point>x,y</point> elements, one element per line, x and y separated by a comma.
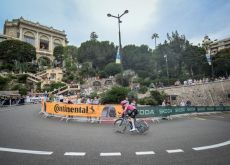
<point>130,110</point>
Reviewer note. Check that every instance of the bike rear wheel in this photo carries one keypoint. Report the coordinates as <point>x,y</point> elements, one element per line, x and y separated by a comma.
<point>142,126</point>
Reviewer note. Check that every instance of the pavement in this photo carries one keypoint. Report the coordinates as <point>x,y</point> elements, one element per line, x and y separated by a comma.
<point>26,138</point>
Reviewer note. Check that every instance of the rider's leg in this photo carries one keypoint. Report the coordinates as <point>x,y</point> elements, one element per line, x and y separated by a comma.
<point>133,125</point>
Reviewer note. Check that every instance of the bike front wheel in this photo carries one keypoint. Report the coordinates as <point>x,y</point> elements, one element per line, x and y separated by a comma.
<point>120,126</point>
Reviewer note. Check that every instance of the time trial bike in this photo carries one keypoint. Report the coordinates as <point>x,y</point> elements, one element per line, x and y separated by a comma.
<point>124,124</point>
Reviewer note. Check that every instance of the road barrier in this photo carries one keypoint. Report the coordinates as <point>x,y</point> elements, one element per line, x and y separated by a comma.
<point>163,111</point>
<point>89,110</point>
<point>80,110</point>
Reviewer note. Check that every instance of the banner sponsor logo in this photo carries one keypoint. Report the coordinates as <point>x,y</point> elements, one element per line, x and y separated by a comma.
<point>165,111</point>
<point>63,108</point>
<point>179,110</point>
<point>146,111</point>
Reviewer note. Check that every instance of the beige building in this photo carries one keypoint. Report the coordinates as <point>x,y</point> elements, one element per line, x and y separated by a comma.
<point>51,75</point>
<point>43,38</point>
<point>215,46</point>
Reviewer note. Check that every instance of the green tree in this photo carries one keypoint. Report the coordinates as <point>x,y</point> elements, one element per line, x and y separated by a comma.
<point>111,69</point>
<point>221,63</point>
<point>15,55</point>
<point>99,53</point>
<point>138,59</point>
<point>22,88</point>
<point>59,55</point>
<point>115,95</point>
<point>158,96</point>
<point>194,60</point>
<point>4,82</point>
<point>183,59</point>
<point>93,36</point>
<point>53,86</point>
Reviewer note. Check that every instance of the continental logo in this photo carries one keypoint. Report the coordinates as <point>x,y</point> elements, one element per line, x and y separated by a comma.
<point>87,109</point>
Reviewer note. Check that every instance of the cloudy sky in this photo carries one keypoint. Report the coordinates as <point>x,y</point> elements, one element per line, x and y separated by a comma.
<point>192,18</point>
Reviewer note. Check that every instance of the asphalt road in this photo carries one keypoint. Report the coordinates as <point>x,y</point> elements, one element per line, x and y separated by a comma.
<point>26,139</point>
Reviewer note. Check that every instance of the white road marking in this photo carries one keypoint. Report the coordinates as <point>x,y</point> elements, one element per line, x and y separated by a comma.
<point>212,146</point>
<point>220,117</point>
<point>198,118</point>
<point>145,153</point>
<point>75,153</point>
<point>26,151</point>
<point>174,151</point>
<point>110,154</point>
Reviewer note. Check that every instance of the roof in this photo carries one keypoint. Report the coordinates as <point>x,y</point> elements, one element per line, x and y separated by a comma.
<point>9,93</point>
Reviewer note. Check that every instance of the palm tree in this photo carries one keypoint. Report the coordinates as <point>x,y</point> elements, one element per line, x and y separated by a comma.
<point>155,36</point>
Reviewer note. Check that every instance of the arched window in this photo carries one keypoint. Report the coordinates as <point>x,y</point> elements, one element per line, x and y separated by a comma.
<point>57,42</point>
<point>44,43</point>
<point>29,38</point>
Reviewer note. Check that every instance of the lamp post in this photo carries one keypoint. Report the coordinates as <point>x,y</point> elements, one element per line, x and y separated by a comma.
<point>166,59</point>
<point>210,62</point>
<point>118,17</point>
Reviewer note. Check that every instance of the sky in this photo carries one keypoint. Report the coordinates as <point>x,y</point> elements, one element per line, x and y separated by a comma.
<point>79,18</point>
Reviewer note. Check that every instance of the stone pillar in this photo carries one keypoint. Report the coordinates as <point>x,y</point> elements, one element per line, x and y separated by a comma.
<point>51,44</point>
<point>37,42</point>
<point>63,42</point>
<point>20,34</point>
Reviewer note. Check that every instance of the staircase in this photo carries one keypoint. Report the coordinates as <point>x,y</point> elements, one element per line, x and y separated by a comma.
<point>66,88</point>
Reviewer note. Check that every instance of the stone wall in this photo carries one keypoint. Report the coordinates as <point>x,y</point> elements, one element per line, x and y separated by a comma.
<point>212,93</point>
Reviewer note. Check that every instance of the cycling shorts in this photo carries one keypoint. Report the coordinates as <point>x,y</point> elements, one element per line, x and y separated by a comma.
<point>132,113</point>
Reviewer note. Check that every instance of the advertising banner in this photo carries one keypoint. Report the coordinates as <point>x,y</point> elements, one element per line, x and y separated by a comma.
<point>83,110</point>
<point>148,111</point>
<point>89,110</point>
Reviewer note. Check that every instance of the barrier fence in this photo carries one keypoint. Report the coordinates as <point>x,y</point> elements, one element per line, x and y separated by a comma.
<point>81,110</point>
<point>88,110</point>
<point>159,111</point>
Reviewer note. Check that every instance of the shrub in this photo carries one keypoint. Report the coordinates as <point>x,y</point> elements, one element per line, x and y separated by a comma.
<point>115,95</point>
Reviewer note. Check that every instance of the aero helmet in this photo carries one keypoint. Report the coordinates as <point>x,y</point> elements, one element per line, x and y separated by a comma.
<point>124,102</point>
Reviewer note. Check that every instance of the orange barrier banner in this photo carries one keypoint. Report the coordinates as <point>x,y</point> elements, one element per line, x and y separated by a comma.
<point>83,110</point>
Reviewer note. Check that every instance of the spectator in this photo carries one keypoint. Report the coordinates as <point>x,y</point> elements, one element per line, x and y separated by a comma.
<point>61,98</point>
<point>185,83</point>
<point>134,103</point>
<point>177,83</point>
<point>182,103</point>
<point>188,103</point>
<point>95,101</point>
<point>221,103</point>
<point>79,100</point>
<point>163,103</point>
<point>88,101</point>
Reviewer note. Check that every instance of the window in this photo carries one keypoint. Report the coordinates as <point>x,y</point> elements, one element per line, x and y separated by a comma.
<point>29,40</point>
<point>57,42</point>
<point>44,43</point>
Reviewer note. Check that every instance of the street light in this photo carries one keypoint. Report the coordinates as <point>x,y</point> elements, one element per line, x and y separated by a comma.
<point>166,59</point>
<point>119,21</point>
<point>210,62</point>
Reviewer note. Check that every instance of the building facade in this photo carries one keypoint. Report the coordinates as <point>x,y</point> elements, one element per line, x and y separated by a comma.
<point>217,46</point>
<point>213,47</point>
<point>43,38</point>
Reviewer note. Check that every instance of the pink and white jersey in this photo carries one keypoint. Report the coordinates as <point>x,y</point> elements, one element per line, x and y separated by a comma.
<point>130,107</point>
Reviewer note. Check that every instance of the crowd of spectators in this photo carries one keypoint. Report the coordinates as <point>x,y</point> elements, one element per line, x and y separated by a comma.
<point>74,99</point>
<point>11,100</point>
<point>200,81</point>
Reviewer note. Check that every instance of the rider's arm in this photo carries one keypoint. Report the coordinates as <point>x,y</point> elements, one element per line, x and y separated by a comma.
<point>125,109</point>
